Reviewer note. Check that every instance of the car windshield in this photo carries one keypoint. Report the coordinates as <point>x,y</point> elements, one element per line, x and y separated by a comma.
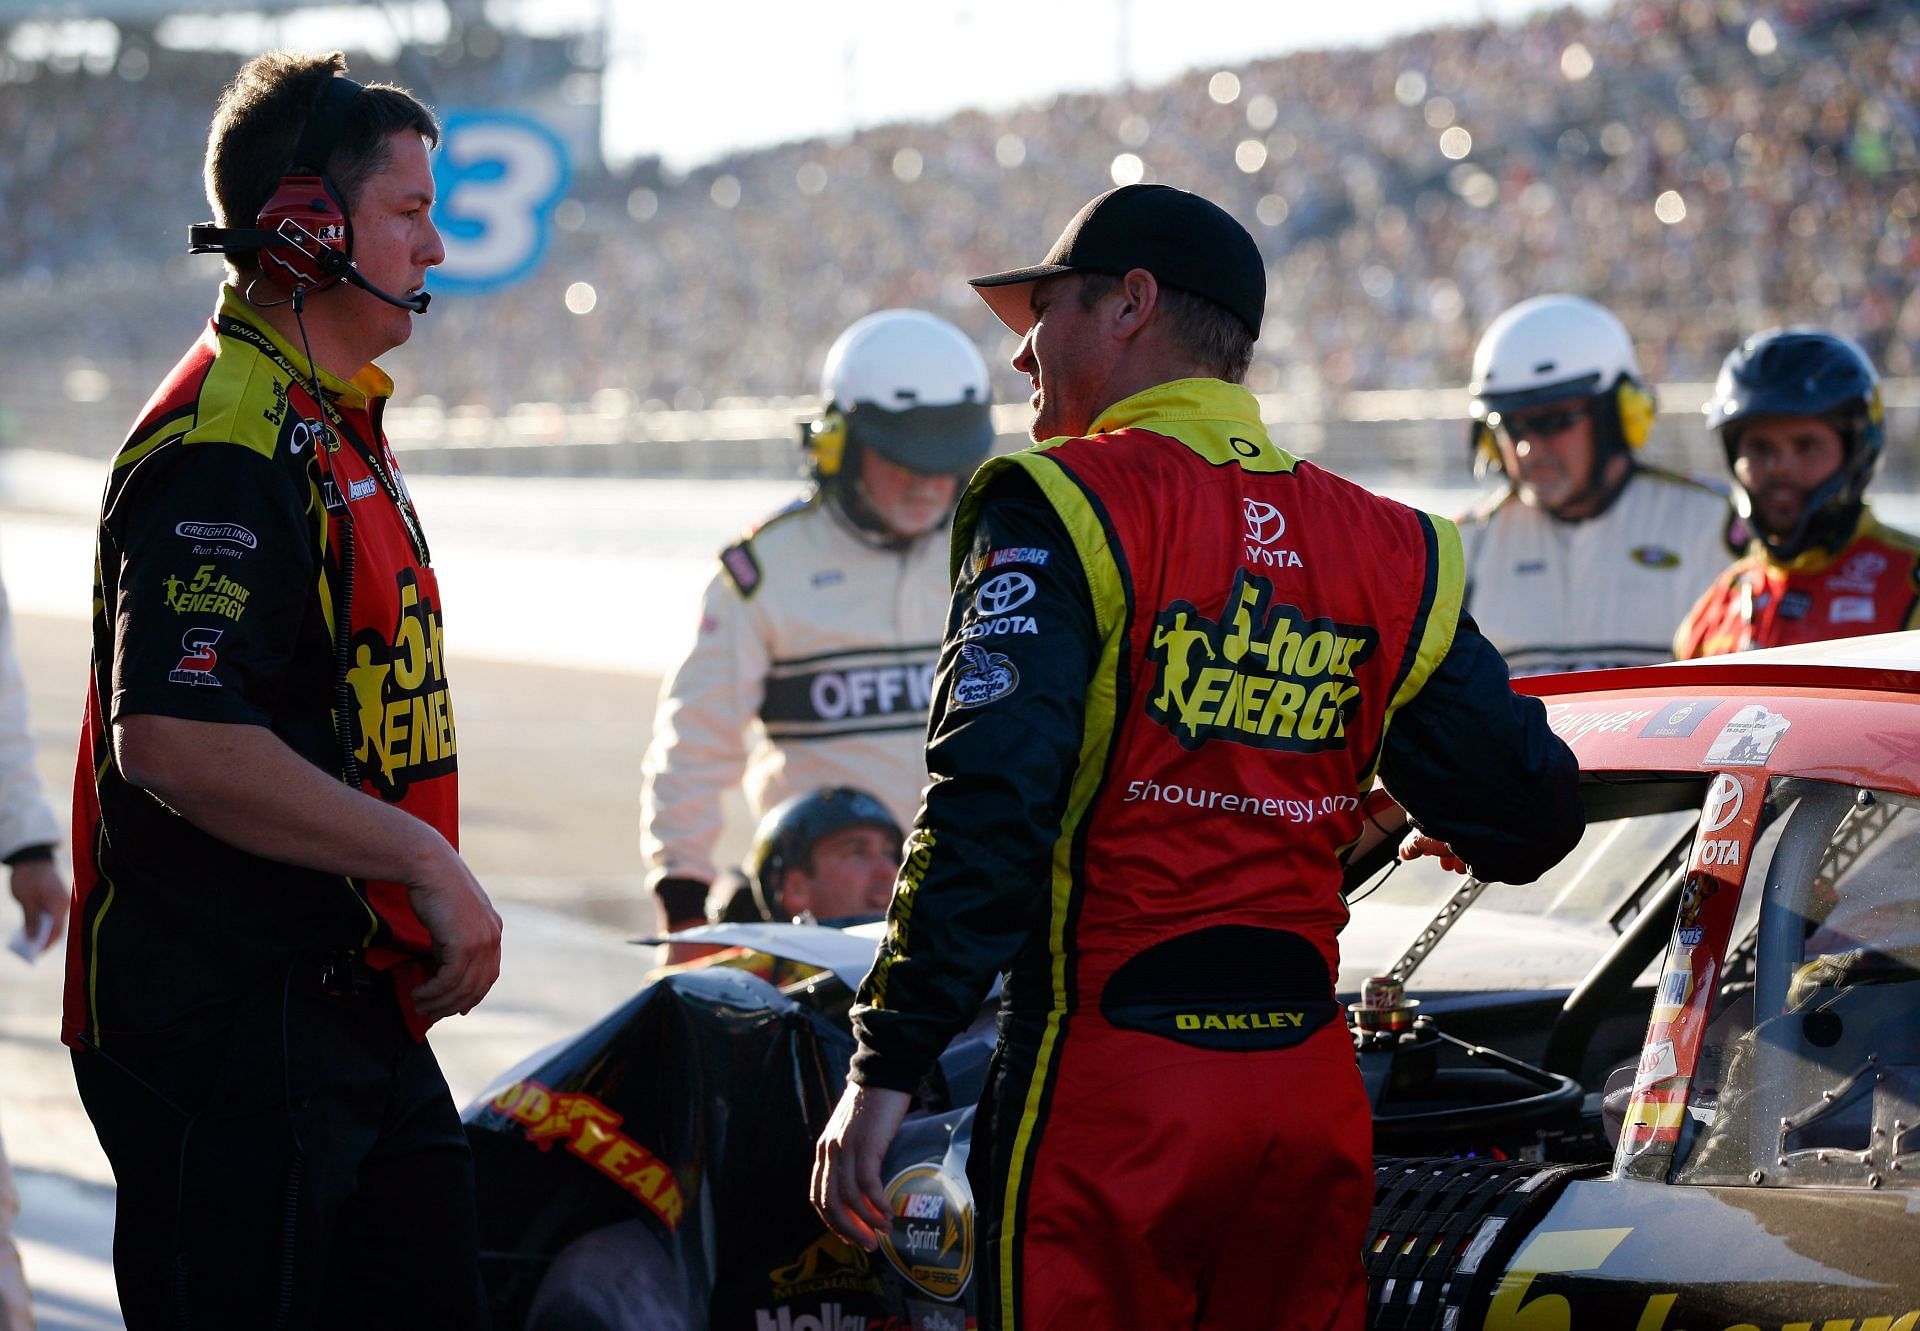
<point>1542,935</point>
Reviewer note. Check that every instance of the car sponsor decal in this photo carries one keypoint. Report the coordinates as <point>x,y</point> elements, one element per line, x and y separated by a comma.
<point>1655,1279</point>
<point>1703,923</point>
<point>1725,798</point>
<point>1747,740</point>
<point>1656,1064</point>
<point>930,1240</point>
<point>1573,723</point>
<point>591,1131</point>
<point>1266,674</point>
<point>984,677</point>
<point>829,1264</point>
<point>1678,719</point>
<point>1676,984</point>
<point>1694,896</point>
<point>828,1317</point>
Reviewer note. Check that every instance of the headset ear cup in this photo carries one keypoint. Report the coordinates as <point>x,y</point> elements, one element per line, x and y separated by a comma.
<point>827,443</point>
<point>1635,405</point>
<point>1485,450</point>
<point>313,207</point>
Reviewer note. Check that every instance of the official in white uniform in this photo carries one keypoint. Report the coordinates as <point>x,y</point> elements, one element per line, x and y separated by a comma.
<point>28,832</point>
<point>1589,558</point>
<point>819,632</point>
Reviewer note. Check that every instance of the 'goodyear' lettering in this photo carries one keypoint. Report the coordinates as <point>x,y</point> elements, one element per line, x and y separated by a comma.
<point>1265,675</point>
<point>1238,1021</point>
<point>592,1131</point>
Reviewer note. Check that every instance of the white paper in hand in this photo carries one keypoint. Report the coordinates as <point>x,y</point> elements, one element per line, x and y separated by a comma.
<point>30,946</point>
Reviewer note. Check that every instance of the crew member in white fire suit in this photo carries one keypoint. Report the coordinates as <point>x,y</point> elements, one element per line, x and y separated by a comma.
<point>819,632</point>
<point>1588,558</point>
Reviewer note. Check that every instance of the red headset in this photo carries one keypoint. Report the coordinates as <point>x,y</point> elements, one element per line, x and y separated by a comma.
<point>303,235</point>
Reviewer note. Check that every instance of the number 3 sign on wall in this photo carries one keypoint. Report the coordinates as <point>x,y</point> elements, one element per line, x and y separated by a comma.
<point>497,177</point>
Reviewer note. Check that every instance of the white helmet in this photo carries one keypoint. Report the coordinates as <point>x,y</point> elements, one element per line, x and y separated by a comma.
<point>1553,348</point>
<point>911,387</point>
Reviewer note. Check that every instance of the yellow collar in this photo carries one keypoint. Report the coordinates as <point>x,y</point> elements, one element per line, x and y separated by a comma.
<point>1181,400</point>
<point>351,394</point>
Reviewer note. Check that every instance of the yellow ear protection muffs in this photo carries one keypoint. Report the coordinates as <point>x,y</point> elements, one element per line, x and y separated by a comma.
<point>824,441</point>
<point>1636,410</point>
<point>1486,452</point>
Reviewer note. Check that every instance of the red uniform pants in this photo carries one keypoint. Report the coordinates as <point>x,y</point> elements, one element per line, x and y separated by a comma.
<point>1124,1180</point>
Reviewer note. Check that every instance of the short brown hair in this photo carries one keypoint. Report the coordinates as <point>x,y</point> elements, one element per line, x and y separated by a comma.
<point>1204,332</point>
<point>258,124</point>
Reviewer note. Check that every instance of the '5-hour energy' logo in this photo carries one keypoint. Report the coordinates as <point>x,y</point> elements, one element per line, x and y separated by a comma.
<point>1265,675</point>
<point>403,719</point>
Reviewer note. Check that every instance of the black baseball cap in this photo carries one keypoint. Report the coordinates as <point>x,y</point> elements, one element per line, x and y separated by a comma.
<point>1182,239</point>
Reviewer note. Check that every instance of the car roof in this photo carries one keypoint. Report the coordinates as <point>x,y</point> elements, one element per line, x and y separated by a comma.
<point>1845,711</point>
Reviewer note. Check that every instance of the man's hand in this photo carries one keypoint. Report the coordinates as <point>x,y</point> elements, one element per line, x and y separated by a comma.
<point>847,1189</point>
<point>465,930</point>
<point>1419,844</point>
<point>42,893</point>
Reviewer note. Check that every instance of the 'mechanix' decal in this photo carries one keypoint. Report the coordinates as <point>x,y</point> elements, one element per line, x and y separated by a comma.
<point>1265,675</point>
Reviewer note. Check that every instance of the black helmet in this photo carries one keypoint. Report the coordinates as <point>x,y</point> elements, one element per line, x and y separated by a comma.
<point>1803,371</point>
<point>791,829</point>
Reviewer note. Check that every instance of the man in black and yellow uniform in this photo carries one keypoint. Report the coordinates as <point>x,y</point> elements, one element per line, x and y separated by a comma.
<point>1175,660</point>
<point>269,909</point>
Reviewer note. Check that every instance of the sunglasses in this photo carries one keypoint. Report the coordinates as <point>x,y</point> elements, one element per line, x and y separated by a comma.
<point>1541,424</point>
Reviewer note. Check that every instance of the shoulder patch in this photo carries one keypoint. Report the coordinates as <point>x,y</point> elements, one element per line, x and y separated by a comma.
<point>742,566</point>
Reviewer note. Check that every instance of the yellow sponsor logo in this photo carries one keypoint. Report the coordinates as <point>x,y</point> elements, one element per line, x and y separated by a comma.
<point>206,593</point>
<point>403,714</point>
<point>592,1131</point>
<point>1264,675</point>
<point>1239,1021</point>
<point>1517,1306</point>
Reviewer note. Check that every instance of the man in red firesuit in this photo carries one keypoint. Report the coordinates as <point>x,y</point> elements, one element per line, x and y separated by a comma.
<point>1175,660</point>
<point>1799,415</point>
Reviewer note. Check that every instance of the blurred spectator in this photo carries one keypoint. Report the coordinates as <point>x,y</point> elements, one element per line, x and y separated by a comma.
<point>1702,166</point>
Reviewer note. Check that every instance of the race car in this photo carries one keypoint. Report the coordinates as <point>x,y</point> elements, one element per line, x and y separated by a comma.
<point>1674,1085</point>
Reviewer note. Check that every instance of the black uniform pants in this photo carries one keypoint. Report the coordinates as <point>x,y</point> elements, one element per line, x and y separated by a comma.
<point>305,1168</point>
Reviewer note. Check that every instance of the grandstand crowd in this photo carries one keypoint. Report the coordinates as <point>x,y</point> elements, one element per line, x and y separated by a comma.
<point>1704,167</point>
